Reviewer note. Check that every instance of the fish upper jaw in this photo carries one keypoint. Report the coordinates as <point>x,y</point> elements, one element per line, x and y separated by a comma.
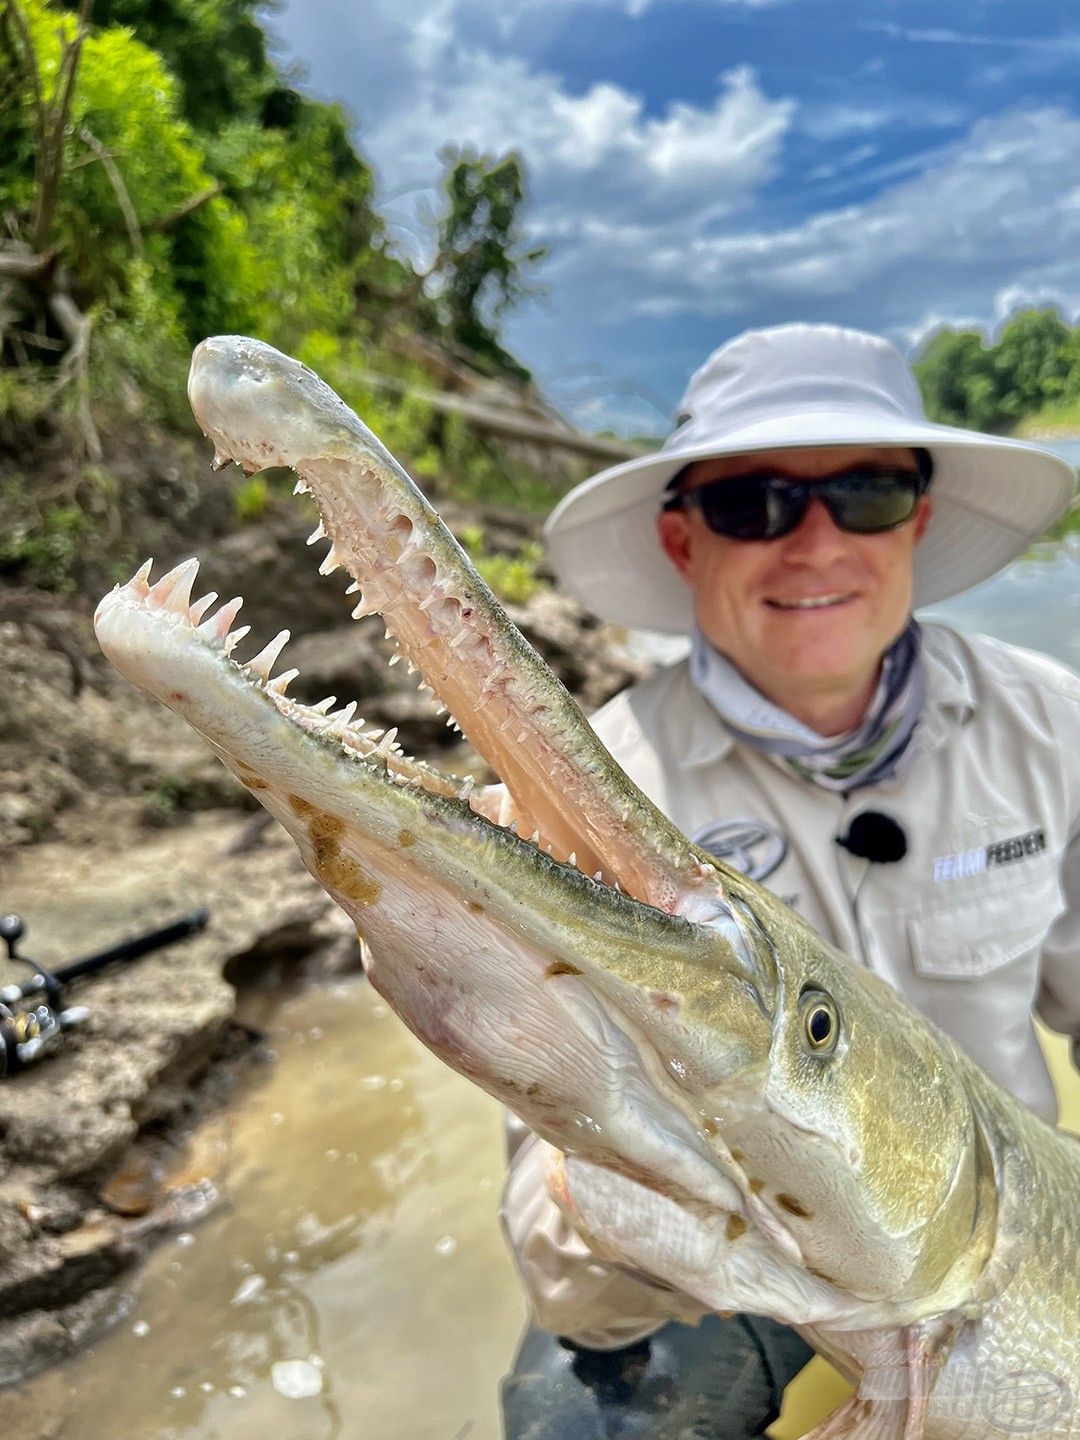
<point>259,407</point>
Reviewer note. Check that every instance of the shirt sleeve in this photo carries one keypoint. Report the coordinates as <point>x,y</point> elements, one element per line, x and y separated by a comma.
<point>570,1291</point>
<point>1058,1000</point>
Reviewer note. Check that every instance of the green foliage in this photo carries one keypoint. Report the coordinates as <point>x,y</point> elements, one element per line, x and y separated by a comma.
<point>968,380</point>
<point>513,578</point>
<point>251,498</point>
<point>215,49</point>
<point>48,553</point>
<point>478,272</point>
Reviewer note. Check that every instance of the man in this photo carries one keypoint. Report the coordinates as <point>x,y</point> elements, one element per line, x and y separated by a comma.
<point>914,794</point>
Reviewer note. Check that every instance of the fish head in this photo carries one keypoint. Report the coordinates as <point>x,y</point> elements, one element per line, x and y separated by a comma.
<point>864,1137</point>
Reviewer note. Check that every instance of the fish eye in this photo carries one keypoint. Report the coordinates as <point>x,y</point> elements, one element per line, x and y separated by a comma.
<point>820,1021</point>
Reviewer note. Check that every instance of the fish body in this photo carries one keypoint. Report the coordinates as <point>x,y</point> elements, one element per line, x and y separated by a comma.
<point>730,1105</point>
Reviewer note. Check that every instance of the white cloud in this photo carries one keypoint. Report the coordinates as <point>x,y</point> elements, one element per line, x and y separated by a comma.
<point>1001,208</point>
<point>845,163</point>
<point>839,120</point>
<point>595,158</point>
<point>993,222</point>
<point>1056,44</point>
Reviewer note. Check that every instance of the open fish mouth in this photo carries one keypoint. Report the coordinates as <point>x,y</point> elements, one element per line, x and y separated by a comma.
<point>558,941</point>
<point>570,960</point>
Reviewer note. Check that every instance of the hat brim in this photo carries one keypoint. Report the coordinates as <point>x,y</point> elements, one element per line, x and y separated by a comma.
<point>992,497</point>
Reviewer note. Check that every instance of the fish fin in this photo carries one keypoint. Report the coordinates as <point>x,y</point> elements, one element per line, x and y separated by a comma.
<point>859,1418</point>
<point>884,1409</point>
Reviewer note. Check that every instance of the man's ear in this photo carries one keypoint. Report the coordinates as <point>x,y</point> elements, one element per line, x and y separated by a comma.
<point>922,516</point>
<point>673,528</point>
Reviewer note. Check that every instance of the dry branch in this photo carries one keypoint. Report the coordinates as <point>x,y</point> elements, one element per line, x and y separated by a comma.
<point>123,199</point>
<point>166,222</point>
<point>76,364</point>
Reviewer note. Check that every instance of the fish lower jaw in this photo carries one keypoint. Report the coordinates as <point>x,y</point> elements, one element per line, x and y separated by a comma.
<point>176,619</point>
<point>720,1257</point>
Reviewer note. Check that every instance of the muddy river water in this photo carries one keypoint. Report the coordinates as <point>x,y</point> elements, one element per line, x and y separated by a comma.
<point>354,1282</point>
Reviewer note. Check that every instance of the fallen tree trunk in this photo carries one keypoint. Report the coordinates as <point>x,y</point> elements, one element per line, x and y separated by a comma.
<point>497,420</point>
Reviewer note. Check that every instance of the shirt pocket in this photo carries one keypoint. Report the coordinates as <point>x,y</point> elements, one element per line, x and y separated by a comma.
<point>983,933</point>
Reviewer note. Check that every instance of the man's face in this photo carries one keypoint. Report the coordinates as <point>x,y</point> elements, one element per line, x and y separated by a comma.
<point>749,595</point>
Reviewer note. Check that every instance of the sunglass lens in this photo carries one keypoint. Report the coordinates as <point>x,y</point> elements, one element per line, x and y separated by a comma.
<point>750,508</point>
<point>871,503</point>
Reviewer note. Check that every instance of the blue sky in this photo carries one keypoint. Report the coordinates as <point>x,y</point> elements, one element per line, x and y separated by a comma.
<point>701,166</point>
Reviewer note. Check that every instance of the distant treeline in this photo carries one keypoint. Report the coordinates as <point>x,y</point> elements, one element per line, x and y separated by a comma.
<point>1029,377</point>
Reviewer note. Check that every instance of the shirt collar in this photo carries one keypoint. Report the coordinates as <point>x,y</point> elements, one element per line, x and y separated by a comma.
<point>948,689</point>
<point>701,736</point>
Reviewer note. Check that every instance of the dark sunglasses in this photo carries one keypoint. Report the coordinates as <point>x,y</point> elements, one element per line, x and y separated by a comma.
<point>764,507</point>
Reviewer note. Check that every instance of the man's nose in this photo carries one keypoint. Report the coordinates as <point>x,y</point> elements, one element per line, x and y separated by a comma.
<point>817,537</point>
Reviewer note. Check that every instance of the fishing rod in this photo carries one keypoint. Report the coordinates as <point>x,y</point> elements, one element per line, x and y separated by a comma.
<point>34,1013</point>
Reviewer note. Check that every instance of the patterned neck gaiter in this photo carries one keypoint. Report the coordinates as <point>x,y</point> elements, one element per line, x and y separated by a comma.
<point>876,752</point>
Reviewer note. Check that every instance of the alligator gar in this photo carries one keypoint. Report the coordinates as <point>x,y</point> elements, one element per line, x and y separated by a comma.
<point>731,1106</point>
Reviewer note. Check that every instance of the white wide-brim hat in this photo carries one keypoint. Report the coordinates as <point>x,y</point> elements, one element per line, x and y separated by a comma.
<point>791,387</point>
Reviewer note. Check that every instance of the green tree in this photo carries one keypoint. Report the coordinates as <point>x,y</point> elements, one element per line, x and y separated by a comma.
<point>479,269</point>
<point>959,383</point>
<point>1032,361</point>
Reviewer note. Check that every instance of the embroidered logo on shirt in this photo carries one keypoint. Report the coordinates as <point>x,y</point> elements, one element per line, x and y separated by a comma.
<point>753,846</point>
<point>988,857</point>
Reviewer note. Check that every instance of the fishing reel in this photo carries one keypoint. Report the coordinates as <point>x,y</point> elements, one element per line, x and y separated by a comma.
<point>29,1030</point>
<point>34,1014</point>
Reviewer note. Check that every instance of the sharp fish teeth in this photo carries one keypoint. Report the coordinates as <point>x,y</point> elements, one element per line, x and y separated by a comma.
<point>331,562</point>
<point>140,580</point>
<point>283,681</point>
<point>262,663</point>
<point>364,607</point>
<point>200,607</point>
<point>173,591</point>
<point>343,719</point>
<point>217,627</point>
<point>220,461</point>
<point>317,534</point>
<point>354,588</point>
<point>234,637</point>
<point>324,706</point>
<point>301,488</point>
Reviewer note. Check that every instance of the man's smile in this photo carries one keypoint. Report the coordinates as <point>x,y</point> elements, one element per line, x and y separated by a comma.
<point>812,602</point>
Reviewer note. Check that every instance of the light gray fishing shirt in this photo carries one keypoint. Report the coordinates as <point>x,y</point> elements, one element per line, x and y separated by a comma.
<point>978,925</point>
